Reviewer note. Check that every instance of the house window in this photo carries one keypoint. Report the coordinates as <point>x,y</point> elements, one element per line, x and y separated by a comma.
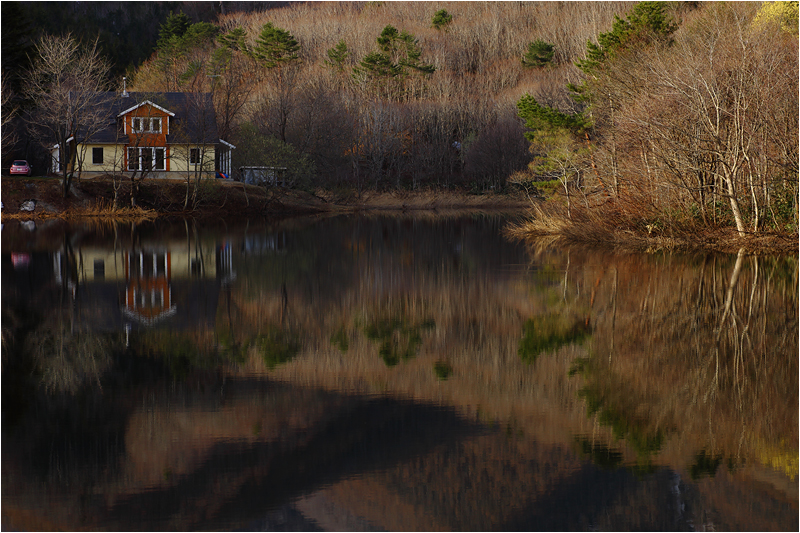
<point>160,160</point>
<point>146,159</point>
<point>97,156</point>
<point>133,159</point>
<point>146,125</point>
<point>194,156</point>
<point>99,269</point>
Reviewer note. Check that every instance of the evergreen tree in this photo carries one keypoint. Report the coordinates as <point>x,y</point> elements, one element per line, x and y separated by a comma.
<point>398,57</point>
<point>541,119</point>
<point>441,19</point>
<point>646,23</point>
<point>403,50</point>
<point>234,40</point>
<point>539,54</point>
<point>177,36</point>
<point>337,56</point>
<point>176,46</point>
<point>276,46</point>
<point>377,65</point>
<point>279,52</point>
<point>556,144</point>
<point>232,67</point>
<point>199,34</point>
<point>172,28</point>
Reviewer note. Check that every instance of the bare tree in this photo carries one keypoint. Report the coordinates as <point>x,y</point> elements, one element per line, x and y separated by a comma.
<point>196,130</point>
<point>67,87</point>
<point>278,52</point>
<point>8,114</point>
<point>233,80</point>
<point>718,122</point>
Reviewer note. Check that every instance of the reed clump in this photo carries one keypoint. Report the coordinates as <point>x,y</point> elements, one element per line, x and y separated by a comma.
<point>101,209</point>
<point>633,224</point>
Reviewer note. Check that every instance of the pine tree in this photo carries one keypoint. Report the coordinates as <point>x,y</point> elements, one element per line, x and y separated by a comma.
<point>276,46</point>
<point>556,143</point>
<point>646,23</point>
<point>234,40</point>
<point>543,119</point>
<point>174,27</point>
<point>441,19</point>
<point>398,57</point>
<point>337,56</point>
<point>539,54</point>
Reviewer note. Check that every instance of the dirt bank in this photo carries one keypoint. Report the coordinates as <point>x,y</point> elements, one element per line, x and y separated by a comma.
<point>223,199</point>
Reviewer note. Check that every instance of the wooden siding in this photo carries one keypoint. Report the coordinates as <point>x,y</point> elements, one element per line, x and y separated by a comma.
<point>144,138</point>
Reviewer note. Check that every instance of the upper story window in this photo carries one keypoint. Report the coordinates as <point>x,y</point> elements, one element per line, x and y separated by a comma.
<point>146,125</point>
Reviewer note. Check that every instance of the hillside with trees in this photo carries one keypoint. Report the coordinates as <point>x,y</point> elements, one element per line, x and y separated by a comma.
<point>380,95</point>
<point>649,118</point>
<point>685,124</point>
<point>668,115</point>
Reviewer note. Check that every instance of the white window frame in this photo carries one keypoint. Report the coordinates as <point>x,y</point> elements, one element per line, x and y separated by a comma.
<point>194,156</point>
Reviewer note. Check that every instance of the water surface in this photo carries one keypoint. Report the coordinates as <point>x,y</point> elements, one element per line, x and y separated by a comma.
<point>395,373</point>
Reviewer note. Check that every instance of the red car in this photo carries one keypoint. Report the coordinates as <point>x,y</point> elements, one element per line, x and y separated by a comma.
<point>21,167</point>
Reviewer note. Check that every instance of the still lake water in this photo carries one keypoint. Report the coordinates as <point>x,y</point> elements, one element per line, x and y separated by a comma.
<point>396,373</point>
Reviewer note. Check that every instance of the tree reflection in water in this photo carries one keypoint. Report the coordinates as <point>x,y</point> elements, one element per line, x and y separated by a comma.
<point>410,373</point>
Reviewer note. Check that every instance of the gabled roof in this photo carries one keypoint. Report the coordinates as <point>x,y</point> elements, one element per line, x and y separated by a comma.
<point>146,102</point>
<point>192,118</point>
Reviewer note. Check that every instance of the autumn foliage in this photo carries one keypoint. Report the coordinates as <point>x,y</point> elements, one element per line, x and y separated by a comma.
<point>693,122</point>
<point>384,96</point>
<point>684,113</point>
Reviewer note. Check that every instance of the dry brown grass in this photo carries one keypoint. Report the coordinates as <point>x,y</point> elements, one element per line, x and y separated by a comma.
<point>435,200</point>
<point>546,219</point>
<point>102,209</point>
<point>633,224</point>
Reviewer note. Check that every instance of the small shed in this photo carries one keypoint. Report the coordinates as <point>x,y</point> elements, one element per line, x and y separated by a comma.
<point>275,176</point>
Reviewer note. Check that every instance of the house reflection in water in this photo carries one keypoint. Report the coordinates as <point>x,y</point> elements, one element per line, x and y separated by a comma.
<point>167,284</point>
<point>148,295</point>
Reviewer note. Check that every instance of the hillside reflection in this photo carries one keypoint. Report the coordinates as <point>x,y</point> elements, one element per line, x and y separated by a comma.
<point>402,373</point>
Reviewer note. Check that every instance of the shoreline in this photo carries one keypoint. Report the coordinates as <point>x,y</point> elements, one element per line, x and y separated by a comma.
<point>721,241</point>
<point>92,200</point>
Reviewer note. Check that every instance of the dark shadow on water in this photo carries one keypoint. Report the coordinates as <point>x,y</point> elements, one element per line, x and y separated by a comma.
<point>373,433</point>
